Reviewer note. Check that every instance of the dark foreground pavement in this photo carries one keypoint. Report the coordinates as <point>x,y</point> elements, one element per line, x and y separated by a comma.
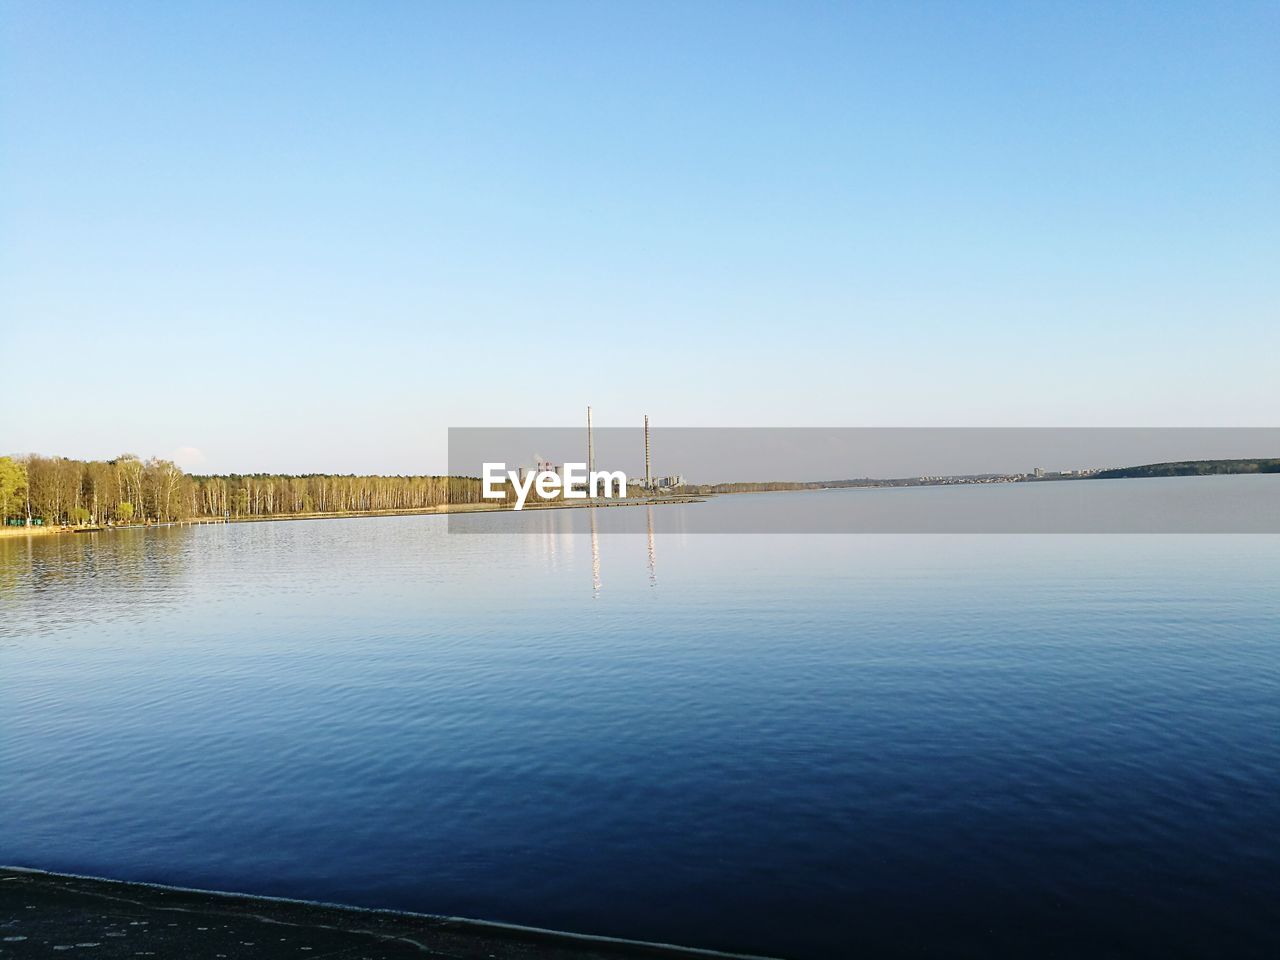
<point>54,915</point>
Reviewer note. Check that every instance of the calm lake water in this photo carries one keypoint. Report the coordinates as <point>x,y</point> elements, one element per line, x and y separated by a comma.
<point>800,745</point>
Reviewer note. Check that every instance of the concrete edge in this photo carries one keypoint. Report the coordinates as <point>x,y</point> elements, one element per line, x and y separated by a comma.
<point>480,927</point>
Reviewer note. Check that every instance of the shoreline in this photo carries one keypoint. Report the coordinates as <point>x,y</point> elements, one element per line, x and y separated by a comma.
<point>445,508</point>
<point>42,911</point>
<point>30,531</point>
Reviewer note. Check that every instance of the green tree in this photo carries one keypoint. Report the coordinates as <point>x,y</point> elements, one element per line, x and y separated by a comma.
<point>13,488</point>
<point>125,511</point>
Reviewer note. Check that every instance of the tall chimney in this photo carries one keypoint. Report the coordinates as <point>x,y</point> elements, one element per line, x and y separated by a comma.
<point>648,480</point>
<point>591,449</point>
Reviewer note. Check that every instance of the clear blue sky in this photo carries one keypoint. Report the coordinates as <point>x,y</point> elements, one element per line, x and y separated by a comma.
<point>312,236</point>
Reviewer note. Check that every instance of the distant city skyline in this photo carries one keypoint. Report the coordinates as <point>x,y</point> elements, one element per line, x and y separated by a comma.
<point>813,454</point>
<point>296,238</point>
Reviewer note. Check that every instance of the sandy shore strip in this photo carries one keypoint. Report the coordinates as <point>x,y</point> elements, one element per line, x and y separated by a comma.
<point>34,531</point>
<point>56,915</point>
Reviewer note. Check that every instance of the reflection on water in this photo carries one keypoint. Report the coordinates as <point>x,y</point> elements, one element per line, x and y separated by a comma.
<point>595,556</point>
<point>101,574</point>
<point>653,551</point>
<point>805,746</point>
<point>554,534</point>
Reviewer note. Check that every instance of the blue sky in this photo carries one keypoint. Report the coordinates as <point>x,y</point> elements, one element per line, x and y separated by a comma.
<point>313,236</point>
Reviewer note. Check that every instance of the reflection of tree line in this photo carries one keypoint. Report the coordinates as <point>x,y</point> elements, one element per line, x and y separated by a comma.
<point>83,569</point>
<point>127,489</point>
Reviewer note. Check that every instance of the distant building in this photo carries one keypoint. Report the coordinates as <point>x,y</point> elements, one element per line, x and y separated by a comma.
<point>538,466</point>
<point>661,483</point>
<point>1039,473</point>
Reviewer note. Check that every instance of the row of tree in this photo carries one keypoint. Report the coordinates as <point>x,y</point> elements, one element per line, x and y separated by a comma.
<point>57,490</point>
<point>1192,468</point>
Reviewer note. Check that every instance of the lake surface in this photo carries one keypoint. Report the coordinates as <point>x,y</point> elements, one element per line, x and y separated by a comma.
<point>799,745</point>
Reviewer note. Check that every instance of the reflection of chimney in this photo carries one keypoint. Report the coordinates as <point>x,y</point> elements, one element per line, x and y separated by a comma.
<point>653,553</point>
<point>648,480</point>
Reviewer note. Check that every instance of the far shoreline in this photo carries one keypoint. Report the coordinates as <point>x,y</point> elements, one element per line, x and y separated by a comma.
<point>701,492</point>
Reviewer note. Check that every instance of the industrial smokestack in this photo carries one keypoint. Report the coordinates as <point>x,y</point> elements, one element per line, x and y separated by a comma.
<point>591,449</point>
<point>648,480</point>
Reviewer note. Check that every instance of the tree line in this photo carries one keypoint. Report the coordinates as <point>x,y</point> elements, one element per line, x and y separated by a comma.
<point>1192,468</point>
<point>128,489</point>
